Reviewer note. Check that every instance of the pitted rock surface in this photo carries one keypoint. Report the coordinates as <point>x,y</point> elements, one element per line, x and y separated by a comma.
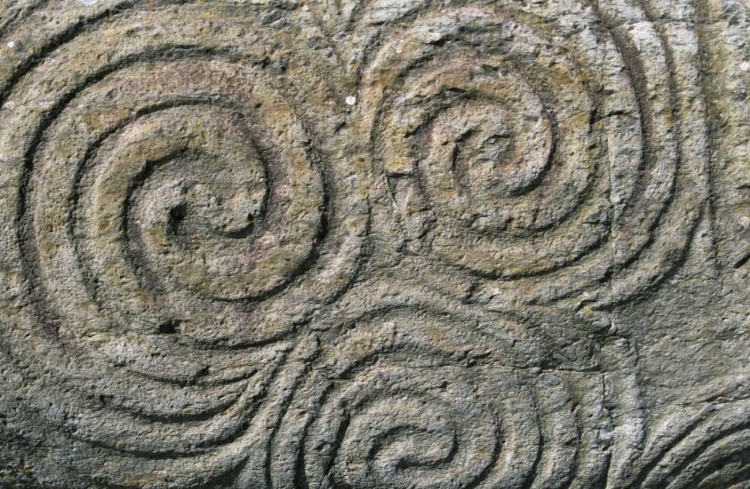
<point>312,244</point>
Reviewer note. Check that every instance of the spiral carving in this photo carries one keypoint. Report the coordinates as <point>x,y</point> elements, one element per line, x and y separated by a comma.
<point>191,201</point>
<point>397,399</point>
<point>534,147</point>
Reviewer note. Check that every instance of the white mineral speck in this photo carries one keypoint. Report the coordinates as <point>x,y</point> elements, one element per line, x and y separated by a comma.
<point>744,66</point>
<point>351,100</point>
<point>11,44</point>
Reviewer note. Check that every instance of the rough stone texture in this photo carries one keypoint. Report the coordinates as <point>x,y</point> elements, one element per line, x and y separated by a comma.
<point>374,244</point>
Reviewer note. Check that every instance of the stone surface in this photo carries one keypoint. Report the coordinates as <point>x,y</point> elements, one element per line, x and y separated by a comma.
<point>374,244</point>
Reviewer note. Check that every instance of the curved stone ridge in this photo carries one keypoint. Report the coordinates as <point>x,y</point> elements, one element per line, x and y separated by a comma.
<point>373,244</point>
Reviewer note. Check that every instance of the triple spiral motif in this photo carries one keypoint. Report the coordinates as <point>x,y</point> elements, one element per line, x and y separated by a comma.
<point>188,200</point>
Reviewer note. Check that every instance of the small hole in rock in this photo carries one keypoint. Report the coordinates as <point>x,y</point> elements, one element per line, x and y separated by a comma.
<point>169,327</point>
<point>176,216</point>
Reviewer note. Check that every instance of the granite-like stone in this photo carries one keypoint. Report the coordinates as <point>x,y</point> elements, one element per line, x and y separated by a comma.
<point>312,244</point>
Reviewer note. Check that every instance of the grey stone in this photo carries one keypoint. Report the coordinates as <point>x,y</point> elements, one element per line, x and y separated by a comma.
<point>307,244</point>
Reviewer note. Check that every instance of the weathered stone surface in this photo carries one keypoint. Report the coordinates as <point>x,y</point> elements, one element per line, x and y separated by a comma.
<point>374,244</point>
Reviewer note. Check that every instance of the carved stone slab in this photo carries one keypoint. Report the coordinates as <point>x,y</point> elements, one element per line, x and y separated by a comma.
<point>369,244</point>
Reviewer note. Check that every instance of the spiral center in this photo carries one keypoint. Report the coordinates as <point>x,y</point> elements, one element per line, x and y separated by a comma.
<point>493,150</point>
<point>227,203</point>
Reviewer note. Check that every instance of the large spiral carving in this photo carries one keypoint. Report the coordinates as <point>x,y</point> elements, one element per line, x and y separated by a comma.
<point>199,193</point>
<point>398,399</point>
<point>174,220</point>
<point>534,147</point>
